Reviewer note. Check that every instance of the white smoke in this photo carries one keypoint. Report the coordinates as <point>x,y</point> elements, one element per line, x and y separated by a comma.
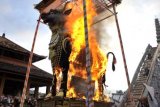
<point>102,32</point>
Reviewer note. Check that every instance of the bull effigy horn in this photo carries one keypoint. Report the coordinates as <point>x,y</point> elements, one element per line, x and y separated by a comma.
<point>63,6</point>
<point>114,60</point>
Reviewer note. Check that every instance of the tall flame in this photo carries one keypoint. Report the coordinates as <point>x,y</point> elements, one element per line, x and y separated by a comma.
<point>75,25</point>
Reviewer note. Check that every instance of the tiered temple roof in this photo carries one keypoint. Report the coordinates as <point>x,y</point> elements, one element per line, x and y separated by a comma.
<point>13,67</point>
<point>8,46</point>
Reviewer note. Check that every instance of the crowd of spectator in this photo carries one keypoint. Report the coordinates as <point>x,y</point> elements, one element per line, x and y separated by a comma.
<point>14,101</point>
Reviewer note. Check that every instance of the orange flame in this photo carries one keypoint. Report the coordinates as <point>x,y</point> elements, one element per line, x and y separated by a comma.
<point>75,25</point>
<point>58,72</point>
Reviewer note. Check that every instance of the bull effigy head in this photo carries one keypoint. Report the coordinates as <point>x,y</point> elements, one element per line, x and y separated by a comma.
<point>56,17</point>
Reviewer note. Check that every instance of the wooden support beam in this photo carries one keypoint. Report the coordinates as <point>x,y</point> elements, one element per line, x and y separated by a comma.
<point>33,81</point>
<point>2,82</point>
<point>36,91</point>
<point>48,88</point>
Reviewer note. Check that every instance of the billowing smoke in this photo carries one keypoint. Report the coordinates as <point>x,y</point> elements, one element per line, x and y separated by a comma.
<point>102,35</point>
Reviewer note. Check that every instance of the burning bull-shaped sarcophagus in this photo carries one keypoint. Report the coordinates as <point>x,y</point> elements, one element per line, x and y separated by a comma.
<point>59,46</point>
<point>67,51</point>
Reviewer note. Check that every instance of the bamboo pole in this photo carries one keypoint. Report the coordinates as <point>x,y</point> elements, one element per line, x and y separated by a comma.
<point>123,54</point>
<point>90,93</point>
<point>29,66</point>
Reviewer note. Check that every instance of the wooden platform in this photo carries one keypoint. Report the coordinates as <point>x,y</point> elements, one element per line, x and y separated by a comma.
<point>70,102</point>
